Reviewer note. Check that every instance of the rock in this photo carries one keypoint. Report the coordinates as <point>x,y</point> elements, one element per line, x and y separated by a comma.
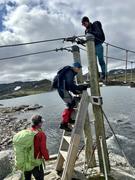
<point>16,176</point>
<point>1,105</point>
<point>5,165</point>
<point>36,106</point>
<point>52,176</point>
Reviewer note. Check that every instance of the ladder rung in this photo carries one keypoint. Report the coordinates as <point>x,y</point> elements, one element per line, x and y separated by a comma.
<point>64,154</point>
<point>67,138</point>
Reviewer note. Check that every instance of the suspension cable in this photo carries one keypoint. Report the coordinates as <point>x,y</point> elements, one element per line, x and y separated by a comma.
<point>37,42</point>
<point>130,167</point>
<point>35,53</point>
<point>110,57</point>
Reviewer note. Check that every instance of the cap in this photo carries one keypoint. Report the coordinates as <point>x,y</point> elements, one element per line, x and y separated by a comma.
<point>85,19</point>
<point>77,65</point>
<point>36,119</point>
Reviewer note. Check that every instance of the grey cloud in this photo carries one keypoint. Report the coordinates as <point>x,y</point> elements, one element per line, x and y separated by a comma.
<point>52,19</point>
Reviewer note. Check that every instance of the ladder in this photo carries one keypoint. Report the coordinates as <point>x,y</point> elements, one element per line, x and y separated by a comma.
<point>70,141</point>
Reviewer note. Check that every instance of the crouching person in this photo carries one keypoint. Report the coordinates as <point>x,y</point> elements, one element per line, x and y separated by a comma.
<point>30,150</point>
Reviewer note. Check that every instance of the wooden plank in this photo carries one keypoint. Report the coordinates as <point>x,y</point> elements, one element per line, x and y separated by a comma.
<point>64,154</point>
<point>87,127</point>
<point>70,162</point>
<point>82,111</point>
<point>76,135</point>
<point>63,146</point>
<point>67,138</point>
<point>95,91</point>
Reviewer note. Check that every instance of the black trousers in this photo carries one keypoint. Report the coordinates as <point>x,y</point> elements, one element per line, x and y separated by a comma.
<point>37,172</point>
<point>67,98</point>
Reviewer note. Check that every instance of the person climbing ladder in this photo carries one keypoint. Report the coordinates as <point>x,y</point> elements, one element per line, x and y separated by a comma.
<point>68,91</point>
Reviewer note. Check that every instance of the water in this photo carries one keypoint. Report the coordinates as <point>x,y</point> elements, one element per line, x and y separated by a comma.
<point>119,106</point>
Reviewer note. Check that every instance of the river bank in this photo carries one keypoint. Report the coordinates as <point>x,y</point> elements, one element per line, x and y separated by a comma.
<point>10,123</point>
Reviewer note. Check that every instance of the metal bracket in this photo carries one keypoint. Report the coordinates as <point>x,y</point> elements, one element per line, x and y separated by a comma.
<point>97,100</point>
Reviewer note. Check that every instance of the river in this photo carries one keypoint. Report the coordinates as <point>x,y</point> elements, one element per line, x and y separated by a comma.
<point>118,104</point>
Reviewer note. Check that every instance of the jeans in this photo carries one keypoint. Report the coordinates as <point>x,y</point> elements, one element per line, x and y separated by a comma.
<point>100,55</point>
<point>37,172</point>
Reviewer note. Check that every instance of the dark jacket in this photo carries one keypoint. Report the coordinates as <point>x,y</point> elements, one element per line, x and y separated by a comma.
<point>67,82</point>
<point>93,30</point>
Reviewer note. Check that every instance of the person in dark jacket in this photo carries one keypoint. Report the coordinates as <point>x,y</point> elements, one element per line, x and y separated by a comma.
<point>93,29</point>
<point>66,87</point>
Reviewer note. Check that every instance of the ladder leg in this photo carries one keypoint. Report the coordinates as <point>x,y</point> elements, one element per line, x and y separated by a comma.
<point>70,163</point>
<point>60,161</point>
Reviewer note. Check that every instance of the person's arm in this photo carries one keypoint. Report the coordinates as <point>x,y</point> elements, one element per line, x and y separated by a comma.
<point>43,147</point>
<point>71,84</point>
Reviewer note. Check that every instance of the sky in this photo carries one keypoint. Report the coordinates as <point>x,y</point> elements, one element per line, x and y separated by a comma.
<point>34,20</point>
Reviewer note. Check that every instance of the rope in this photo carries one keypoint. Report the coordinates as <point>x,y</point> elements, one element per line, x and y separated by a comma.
<point>130,167</point>
<point>37,42</point>
<point>35,53</point>
<point>111,57</point>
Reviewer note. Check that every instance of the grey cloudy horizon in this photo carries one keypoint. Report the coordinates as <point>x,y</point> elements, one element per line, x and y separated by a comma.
<point>34,20</point>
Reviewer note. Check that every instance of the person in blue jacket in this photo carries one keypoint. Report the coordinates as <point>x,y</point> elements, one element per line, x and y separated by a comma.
<point>66,87</point>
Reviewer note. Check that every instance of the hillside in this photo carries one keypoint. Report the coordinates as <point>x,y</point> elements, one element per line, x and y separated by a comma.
<point>20,88</point>
<point>118,75</point>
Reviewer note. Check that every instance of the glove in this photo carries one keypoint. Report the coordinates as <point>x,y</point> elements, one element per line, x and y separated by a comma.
<point>85,87</point>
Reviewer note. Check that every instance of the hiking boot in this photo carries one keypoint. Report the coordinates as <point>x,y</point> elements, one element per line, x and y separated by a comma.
<point>65,127</point>
<point>71,121</point>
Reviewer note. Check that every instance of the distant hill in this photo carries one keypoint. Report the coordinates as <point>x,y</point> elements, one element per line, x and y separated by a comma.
<point>118,74</point>
<point>20,88</point>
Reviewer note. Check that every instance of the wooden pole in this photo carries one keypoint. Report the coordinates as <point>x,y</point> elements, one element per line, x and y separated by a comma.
<point>97,110</point>
<point>132,71</point>
<point>106,77</point>
<point>126,66</point>
<point>87,128</point>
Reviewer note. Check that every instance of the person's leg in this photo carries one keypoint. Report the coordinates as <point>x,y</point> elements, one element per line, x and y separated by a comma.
<point>38,173</point>
<point>27,175</point>
<point>100,55</point>
<point>67,98</point>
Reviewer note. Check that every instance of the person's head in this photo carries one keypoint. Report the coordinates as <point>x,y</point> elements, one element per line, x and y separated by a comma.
<point>85,21</point>
<point>77,67</point>
<point>37,121</point>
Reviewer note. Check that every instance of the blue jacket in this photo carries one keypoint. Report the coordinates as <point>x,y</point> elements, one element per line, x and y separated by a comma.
<point>67,82</point>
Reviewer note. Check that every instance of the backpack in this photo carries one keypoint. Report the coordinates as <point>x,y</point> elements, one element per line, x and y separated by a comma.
<point>98,26</point>
<point>23,143</point>
<point>58,78</point>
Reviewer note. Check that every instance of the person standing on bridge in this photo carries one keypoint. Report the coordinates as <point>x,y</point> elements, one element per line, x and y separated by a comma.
<point>66,87</point>
<point>96,29</point>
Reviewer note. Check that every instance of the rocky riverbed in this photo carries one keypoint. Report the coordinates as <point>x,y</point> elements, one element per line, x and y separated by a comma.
<point>10,123</point>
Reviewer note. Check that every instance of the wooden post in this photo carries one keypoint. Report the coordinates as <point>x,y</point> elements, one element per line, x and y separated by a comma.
<point>126,66</point>
<point>87,128</point>
<point>76,136</point>
<point>97,110</point>
<point>131,71</point>
<point>106,77</point>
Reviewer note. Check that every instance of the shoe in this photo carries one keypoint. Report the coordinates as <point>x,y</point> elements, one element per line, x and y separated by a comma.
<point>65,127</point>
<point>71,121</point>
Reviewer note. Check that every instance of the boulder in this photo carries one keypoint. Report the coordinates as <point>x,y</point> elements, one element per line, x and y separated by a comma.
<point>5,165</point>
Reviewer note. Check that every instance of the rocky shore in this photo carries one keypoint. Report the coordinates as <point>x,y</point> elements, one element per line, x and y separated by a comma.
<point>10,123</point>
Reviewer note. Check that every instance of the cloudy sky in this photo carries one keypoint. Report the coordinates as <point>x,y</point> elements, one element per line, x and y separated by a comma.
<point>33,20</point>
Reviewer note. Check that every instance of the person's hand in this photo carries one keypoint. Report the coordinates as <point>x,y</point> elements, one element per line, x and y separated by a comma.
<point>85,87</point>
